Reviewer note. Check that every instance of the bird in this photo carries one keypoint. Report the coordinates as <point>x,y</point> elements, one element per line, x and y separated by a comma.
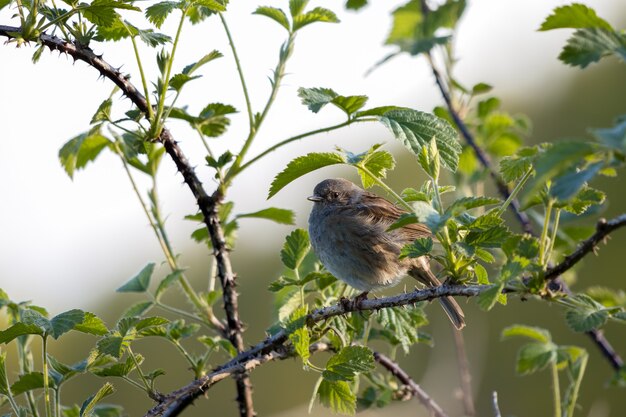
<point>348,228</point>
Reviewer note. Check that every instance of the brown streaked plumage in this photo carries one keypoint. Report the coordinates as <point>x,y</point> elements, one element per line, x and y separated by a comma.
<point>348,229</point>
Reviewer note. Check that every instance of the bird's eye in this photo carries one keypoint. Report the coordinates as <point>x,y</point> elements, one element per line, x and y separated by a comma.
<point>335,195</point>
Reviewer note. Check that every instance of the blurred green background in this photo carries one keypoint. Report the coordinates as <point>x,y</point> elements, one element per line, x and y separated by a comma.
<point>563,105</point>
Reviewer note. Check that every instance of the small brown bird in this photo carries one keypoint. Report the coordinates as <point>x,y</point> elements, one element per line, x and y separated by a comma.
<point>348,229</point>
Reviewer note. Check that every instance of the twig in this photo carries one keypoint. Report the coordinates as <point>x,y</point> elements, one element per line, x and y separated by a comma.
<point>603,228</point>
<point>417,391</point>
<point>494,404</point>
<point>464,372</point>
<point>207,204</point>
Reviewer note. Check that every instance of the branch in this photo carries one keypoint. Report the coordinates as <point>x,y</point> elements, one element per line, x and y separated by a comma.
<point>417,391</point>
<point>268,348</point>
<point>603,228</point>
<point>207,204</point>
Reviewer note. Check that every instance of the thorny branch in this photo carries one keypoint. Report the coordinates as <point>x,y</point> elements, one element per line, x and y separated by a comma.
<point>415,390</point>
<point>207,204</point>
<point>596,336</point>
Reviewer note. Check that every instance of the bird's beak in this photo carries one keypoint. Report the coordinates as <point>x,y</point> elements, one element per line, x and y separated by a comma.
<point>315,198</point>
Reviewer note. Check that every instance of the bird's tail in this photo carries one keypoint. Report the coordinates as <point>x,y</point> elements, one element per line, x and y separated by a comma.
<point>422,273</point>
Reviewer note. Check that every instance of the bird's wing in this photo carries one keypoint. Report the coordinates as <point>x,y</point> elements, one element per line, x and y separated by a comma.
<point>381,211</point>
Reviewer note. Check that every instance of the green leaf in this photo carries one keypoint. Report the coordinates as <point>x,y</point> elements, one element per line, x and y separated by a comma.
<point>350,104</point>
<point>415,129</point>
<point>140,282</point>
<point>614,137</point>
<point>376,162</point>
<point>28,382</point>
<point>404,220</point>
<point>481,274</point>
<point>19,329</point>
<point>574,16</point>
<point>119,369</point>
<point>419,247</point>
<point>167,282</point>
<point>316,98</point>
<point>514,167</point>
<point>103,114</point>
<point>111,345</point>
<point>337,396</point>
<point>303,165</point>
<point>534,357</point>
<point>355,4</point>
<point>80,150</point>
<point>488,298</point>
<point>468,203</point>
<point>584,320</point>
<point>481,88</point>
<point>535,333</point>
<point>282,216</point>
<point>490,238</point>
<point>275,14</point>
<point>90,403</point>
<point>4,3</point>
<point>403,323</point>
<point>138,309</point>
<point>299,333</point>
<point>191,68</point>
<point>319,14</point>
<point>66,321</point>
<point>567,186</point>
<point>586,46</point>
<point>585,198</point>
<point>152,38</point>
<point>158,12</point>
<point>296,247</point>
<point>296,7</point>
<point>348,362</point>
<point>32,316</point>
<point>179,80</point>
<point>429,159</point>
<point>406,19</point>
<point>102,12</point>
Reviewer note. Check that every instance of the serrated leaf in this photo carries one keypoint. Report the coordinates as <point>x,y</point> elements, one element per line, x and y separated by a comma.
<point>90,403</point>
<point>403,323</point>
<point>179,80</point>
<point>316,98</point>
<point>191,68</point>
<point>493,237</point>
<point>585,320</point>
<point>337,396</point>
<point>66,321</point>
<point>488,298</point>
<point>140,282</point>
<point>419,247</point>
<point>534,357</point>
<point>158,12</point>
<point>318,14</point>
<point>377,163</point>
<point>514,167</point>
<point>585,198</point>
<point>80,150</point>
<point>28,382</point>
<point>568,185</point>
<point>138,309</point>
<point>282,216</point>
<point>350,104</point>
<point>535,333</point>
<point>404,220</point>
<point>481,274</point>
<point>102,12</point>
<point>586,46</point>
<point>167,282</point>
<point>355,4</point>
<point>103,114</point>
<point>299,333</point>
<point>415,129</point>
<point>275,14</point>
<point>111,345</point>
<point>574,16</point>
<point>35,317</point>
<point>119,369</point>
<point>296,7</point>
<point>468,203</point>
<point>348,362</point>
<point>152,38</point>
<point>4,382</point>
<point>303,165</point>
<point>19,329</point>
<point>296,247</point>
